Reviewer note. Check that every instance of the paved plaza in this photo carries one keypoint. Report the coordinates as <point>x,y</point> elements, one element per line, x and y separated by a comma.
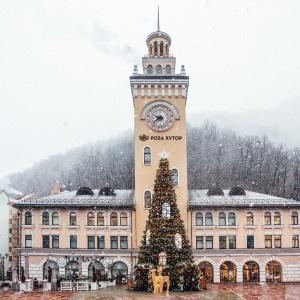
<point>214,292</point>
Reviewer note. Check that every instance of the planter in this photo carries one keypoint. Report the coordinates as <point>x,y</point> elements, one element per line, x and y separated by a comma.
<point>94,286</point>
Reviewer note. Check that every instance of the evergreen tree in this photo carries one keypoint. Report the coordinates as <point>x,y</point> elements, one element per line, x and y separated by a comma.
<point>165,232</point>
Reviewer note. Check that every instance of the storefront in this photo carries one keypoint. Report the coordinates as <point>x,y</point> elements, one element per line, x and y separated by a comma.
<point>207,269</point>
<point>273,271</point>
<point>251,272</point>
<point>228,272</point>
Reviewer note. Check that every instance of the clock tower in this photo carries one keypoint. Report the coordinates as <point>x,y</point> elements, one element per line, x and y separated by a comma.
<point>159,98</point>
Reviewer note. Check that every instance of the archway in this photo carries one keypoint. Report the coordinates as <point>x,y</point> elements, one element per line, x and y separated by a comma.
<point>207,269</point>
<point>228,272</point>
<point>119,271</point>
<point>251,272</point>
<point>50,270</point>
<point>273,271</point>
<point>72,269</point>
<point>99,270</point>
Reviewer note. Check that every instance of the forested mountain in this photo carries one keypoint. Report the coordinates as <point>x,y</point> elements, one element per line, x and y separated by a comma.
<point>215,157</point>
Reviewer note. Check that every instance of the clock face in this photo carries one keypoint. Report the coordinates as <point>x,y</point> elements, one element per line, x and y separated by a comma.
<point>160,117</point>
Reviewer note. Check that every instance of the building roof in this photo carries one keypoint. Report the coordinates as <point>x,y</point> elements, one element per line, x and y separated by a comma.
<point>122,199</point>
<point>200,199</point>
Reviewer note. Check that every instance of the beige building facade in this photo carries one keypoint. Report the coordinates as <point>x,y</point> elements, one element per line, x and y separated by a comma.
<point>236,235</point>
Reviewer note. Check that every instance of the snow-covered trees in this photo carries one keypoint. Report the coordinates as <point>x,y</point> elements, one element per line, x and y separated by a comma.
<point>215,157</point>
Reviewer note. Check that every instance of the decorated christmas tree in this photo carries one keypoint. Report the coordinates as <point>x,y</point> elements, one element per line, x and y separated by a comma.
<point>164,241</point>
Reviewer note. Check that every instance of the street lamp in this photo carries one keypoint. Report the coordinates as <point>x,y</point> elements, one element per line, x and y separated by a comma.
<point>2,257</point>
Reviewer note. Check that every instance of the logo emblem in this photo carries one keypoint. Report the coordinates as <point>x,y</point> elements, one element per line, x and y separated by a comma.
<point>144,137</point>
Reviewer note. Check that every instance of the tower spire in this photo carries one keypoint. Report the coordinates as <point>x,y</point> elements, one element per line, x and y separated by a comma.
<point>158,27</point>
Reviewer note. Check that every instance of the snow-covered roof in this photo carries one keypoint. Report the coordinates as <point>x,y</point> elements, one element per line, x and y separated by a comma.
<point>122,198</point>
<point>199,199</point>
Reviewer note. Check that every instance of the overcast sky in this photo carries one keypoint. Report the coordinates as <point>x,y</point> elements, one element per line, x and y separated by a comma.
<point>64,65</point>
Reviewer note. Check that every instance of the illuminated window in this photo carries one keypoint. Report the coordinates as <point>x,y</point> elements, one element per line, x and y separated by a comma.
<point>55,218</point>
<point>268,241</point>
<point>113,219</point>
<point>268,218</point>
<point>123,219</point>
<point>162,258</point>
<point>90,219</point>
<point>277,218</point>
<point>295,241</point>
<point>73,219</point>
<point>277,241</point>
<point>249,219</point>
<point>100,219</point>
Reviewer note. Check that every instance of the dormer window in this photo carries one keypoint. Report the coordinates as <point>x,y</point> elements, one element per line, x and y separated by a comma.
<point>107,191</point>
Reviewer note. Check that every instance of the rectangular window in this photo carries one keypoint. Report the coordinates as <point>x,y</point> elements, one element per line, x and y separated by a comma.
<point>100,242</point>
<point>28,241</point>
<point>222,242</point>
<point>114,242</point>
<point>268,241</point>
<point>91,242</point>
<point>250,241</point>
<point>73,241</point>
<point>277,241</point>
<point>199,242</point>
<point>295,241</point>
<point>209,242</point>
<point>55,241</point>
<point>46,241</point>
<point>232,241</point>
<point>123,242</point>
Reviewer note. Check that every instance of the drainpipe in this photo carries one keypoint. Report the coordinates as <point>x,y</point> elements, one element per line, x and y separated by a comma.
<point>191,230</point>
<point>131,258</point>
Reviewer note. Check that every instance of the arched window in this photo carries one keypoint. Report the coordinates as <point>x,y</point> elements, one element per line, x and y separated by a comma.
<point>119,268</point>
<point>148,234</point>
<point>294,218</point>
<point>45,218</point>
<point>100,219</point>
<point>208,219</point>
<point>113,219</point>
<point>199,219</point>
<point>158,69</point>
<point>90,219</point>
<point>166,211</point>
<point>147,199</point>
<point>167,49</point>
<point>155,49</point>
<point>123,219</point>
<point>267,218</point>
<point>231,219</point>
<point>149,69</point>
<point>55,218</point>
<point>168,69</point>
<point>277,218</point>
<point>28,218</point>
<point>161,48</point>
<point>147,156</point>
<point>222,219</point>
<point>178,240</point>
<point>73,218</point>
<point>174,176</point>
<point>162,258</point>
<point>249,219</point>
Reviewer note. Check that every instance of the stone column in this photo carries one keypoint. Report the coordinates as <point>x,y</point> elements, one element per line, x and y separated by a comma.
<point>216,275</point>
<point>262,273</point>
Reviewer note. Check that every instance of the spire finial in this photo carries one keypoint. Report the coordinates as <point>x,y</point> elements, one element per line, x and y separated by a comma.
<point>158,28</point>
